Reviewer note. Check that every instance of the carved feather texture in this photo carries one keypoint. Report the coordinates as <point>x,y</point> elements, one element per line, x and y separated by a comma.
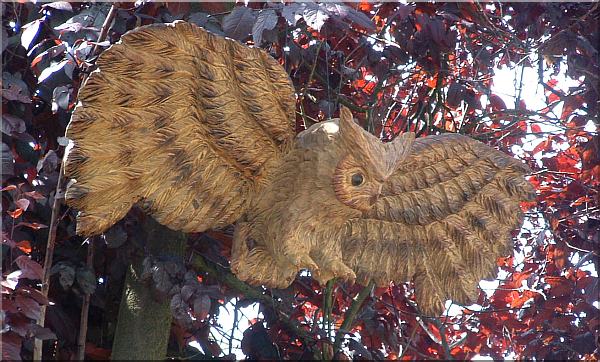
<point>185,122</point>
<point>198,130</point>
<point>443,218</point>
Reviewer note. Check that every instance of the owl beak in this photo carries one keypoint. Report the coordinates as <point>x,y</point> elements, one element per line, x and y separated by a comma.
<point>373,199</point>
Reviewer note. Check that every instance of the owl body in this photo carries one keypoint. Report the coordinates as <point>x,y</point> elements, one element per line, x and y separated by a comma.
<point>198,130</point>
<point>297,217</point>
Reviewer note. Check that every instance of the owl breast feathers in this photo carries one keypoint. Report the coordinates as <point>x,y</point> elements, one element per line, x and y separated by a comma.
<point>198,131</point>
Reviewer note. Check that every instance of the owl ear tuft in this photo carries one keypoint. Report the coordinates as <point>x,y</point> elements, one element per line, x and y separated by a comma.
<point>353,132</point>
<point>347,125</point>
<point>383,158</point>
<point>364,144</point>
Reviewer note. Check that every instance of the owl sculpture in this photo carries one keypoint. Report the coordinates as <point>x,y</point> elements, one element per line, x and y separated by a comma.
<point>198,131</point>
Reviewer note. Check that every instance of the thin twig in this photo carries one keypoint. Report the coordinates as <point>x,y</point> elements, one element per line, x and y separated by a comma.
<point>235,325</point>
<point>83,322</point>
<point>444,341</point>
<point>105,27</point>
<point>310,78</point>
<point>58,197</point>
<point>327,308</point>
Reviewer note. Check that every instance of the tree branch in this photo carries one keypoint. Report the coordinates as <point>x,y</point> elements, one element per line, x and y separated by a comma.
<point>225,277</point>
<point>351,315</point>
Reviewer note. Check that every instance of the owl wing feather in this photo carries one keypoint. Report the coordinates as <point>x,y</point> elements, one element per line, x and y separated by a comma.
<point>444,217</point>
<point>187,123</point>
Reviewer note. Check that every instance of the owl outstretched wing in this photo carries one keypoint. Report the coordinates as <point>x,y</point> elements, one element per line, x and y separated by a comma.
<point>186,123</point>
<point>442,220</point>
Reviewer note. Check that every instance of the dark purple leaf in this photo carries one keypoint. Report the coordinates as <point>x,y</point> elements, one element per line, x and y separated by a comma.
<point>40,332</point>
<point>59,5</point>
<point>49,163</point>
<point>403,11</point>
<point>30,33</point>
<point>28,307</point>
<point>11,347</point>
<point>12,279</point>
<point>49,54</point>
<point>315,15</point>
<point>66,274</point>
<point>202,306</point>
<point>8,162</point>
<point>69,27</point>
<point>14,89</point>
<point>351,15</point>
<point>292,12</point>
<point>18,322</point>
<point>13,93</point>
<point>33,293</point>
<point>22,204</point>
<point>86,279</point>
<point>60,98</point>
<point>83,50</point>
<point>12,124</point>
<point>360,19</point>
<point>115,236</point>
<point>199,19</point>
<point>591,291</point>
<point>67,66</point>
<point>162,281</point>
<point>30,269</point>
<point>180,311</point>
<point>238,24</point>
<point>266,20</point>
<point>187,291</point>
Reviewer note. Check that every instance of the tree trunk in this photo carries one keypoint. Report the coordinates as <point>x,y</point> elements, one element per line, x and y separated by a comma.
<point>144,324</point>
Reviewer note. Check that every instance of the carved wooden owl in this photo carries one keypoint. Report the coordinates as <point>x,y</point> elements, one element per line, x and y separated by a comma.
<point>198,131</point>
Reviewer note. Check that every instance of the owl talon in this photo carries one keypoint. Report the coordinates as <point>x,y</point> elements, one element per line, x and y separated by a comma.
<point>303,261</point>
<point>342,271</point>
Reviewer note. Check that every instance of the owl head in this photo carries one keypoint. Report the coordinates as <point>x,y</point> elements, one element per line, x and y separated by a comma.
<point>366,163</point>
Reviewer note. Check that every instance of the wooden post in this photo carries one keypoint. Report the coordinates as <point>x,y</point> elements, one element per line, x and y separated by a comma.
<point>144,324</point>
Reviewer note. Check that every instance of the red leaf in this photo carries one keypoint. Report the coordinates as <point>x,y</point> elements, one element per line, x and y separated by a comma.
<point>11,347</point>
<point>30,269</point>
<point>536,128</point>
<point>15,214</point>
<point>34,195</point>
<point>553,97</point>
<point>543,146</point>
<point>25,246</point>
<point>365,6</point>
<point>559,286</point>
<point>33,225</point>
<point>572,103</point>
<point>96,353</point>
<point>432,82</point>
<point>562,322</point>
<point>496,103</point>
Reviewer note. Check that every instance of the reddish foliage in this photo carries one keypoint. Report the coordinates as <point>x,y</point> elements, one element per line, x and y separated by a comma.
<point>421,67</point>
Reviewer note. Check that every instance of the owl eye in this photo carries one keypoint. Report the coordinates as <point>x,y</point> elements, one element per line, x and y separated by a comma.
<point>357,179</point>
